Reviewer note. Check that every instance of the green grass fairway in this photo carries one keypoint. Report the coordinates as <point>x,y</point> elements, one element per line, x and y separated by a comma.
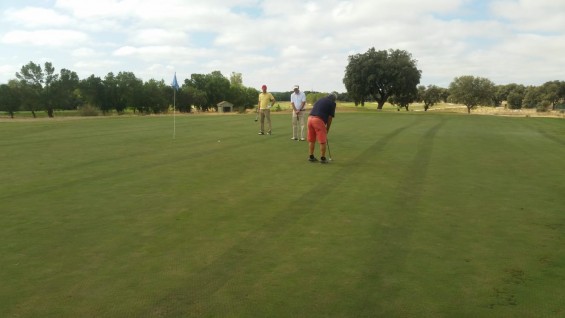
<point>419,215</point>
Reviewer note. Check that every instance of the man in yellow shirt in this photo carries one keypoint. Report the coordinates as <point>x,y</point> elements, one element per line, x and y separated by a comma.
<point>266,100</point>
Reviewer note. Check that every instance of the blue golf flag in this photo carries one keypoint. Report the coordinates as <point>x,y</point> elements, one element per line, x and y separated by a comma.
<point>175,84</point>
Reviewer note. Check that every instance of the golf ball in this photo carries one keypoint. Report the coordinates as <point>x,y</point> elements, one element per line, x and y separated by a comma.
<point>219,141</point>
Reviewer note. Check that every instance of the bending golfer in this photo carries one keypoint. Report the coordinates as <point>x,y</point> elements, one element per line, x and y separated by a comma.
<point>319,123</point>
<point>266,100</point>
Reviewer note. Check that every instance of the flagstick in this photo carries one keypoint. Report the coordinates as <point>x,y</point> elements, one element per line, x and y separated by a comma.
<point>174,113</point>
<point>175,86</point>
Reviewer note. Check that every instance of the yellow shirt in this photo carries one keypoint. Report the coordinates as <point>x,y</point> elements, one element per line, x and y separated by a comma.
<point>265,99</point>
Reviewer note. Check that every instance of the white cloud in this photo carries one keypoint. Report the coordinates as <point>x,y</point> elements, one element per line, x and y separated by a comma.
<point>97,9</point>
<point>8,69</point>
<point>31,17</point>
<point>84,53</point>
<point>294,52</point>
<point>157,36</point>
<point>294,41</point>
<point>58,38</point>
<point>532,15</point>
<point>98,67</point>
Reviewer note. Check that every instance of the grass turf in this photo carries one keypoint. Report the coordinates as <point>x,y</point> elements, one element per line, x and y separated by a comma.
<point>419,215</point>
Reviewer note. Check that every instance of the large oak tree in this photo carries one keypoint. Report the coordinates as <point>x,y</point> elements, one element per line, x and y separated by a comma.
<point>382,74</point>
<point>472,91</point>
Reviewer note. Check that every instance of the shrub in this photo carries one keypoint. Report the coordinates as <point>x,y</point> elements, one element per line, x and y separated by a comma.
<point>89,110</point>
<point>543,106</point>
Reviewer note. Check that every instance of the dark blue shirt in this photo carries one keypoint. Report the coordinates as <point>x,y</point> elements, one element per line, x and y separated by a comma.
<point>323,108</point>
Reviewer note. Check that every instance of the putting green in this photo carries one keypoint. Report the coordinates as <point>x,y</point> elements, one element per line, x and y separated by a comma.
<point>418,215</point>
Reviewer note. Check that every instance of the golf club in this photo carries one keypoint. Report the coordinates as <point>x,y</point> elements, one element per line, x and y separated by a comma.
<point>329,151</point>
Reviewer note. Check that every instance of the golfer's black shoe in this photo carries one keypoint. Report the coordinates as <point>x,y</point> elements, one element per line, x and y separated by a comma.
<point>323,160</point>
<point>312,159</point>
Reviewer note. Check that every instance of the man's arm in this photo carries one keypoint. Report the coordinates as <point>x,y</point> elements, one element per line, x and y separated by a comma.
<point>330,118</point>
<point>271,102</point>
<point>292,104</point>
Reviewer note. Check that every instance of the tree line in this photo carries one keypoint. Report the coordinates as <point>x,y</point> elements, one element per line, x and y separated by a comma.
<point>381,76</point>
<point>38,88</point>
<point>392,76</point>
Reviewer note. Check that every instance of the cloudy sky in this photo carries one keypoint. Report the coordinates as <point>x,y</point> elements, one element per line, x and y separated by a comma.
<point>285,42</point>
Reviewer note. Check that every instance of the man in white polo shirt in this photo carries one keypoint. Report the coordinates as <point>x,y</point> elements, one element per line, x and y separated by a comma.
<point>298,104</point>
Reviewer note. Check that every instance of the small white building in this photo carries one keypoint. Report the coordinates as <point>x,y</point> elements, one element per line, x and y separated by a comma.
<point>225,107</point>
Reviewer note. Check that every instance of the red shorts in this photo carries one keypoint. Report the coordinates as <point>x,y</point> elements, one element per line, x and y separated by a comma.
<point>317,130</point>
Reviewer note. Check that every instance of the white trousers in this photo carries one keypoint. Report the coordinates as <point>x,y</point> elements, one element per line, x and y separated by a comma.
<point>298,125</point>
